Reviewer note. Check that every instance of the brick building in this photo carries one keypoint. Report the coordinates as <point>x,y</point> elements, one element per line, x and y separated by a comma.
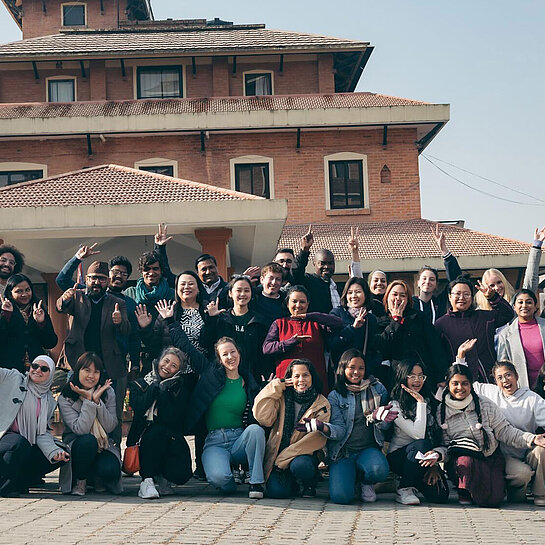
<point>239,107</point>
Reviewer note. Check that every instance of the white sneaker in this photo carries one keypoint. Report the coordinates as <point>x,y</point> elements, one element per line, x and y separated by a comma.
<point>368,494</point>
<point>163,486</point>
<point>147,490</point>
<point>407,496</point>
<point>80,488</point>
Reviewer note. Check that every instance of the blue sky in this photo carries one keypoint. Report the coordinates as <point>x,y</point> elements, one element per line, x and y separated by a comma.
<point>485,58</point>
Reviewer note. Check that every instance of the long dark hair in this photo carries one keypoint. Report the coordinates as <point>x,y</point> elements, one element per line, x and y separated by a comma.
<point>464,370</point>
<point>344,360</point>
<point>85,361</point>
<point>316,382</point>
<point>368,304</point>
<point>402,369</point>
<point>15,279</point>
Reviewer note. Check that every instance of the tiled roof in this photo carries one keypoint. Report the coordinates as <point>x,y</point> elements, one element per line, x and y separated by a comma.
<point>239,38</point>
<point>201,105</point>
<point>111,185</point>
<point>401,239</point>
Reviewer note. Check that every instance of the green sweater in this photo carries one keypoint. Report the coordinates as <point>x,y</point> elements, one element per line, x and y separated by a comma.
<point>227,409</point>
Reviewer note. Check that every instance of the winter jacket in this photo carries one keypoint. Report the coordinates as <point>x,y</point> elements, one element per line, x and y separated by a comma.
<point>456,327</point>
<point>461,424</point>
<point>269,410</point>
<point>212,379</point>
<point>343,410</point>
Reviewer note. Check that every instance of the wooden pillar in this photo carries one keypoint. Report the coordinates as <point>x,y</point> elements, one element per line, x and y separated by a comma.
<point>60,321</point>
<point>214,242</point>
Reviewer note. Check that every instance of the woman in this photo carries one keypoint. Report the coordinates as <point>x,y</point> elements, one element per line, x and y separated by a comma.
<point>224,395</point>
<point>301,336</point>
<point>359,414</point>
<point>378,282</point>
<point>521,342</point>
<point>295,410</point>
<point>463,322</point>
<point>87,406</point>
<point>159,401</point>
<point>415,430</point>
<point>243,325</point>
<point>406,333</point>
<point>524,410</point>
<point>496,280</point>
<point>28,451</point>
<point>472,429</point>
<point>25,326</point>
<point>360,325</point>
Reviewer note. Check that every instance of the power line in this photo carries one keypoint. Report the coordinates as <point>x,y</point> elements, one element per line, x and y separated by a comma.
<point>484,178</point>
<point>480,190</point>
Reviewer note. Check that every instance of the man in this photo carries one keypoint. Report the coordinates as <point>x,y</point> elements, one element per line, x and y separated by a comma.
<point>120,269</point>
<point>97,319</point>
<point>214,286</point>
<point>285,257</point>
<point>324,292</point>
<point>268,296</point>
<point>435,305</point>
<point>11,262</point>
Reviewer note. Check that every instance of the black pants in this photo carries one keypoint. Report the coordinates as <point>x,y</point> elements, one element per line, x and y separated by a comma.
<point>21,464</point>
<point>88,462</point>
<point>162,453</point>
<point>403,462</point>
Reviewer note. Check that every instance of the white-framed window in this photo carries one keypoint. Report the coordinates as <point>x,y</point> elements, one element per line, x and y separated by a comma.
<point>16,172</point>
<point>159,81</point>
<point>258,83</point>
<point>253,174</point>
<point>159,165</point>
<point>61,89</point>
<point>74,14</point>
<point>346,181</point>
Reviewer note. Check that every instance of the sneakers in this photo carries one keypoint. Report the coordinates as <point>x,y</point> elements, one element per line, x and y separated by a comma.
<point>368,494</point>
<point>256,491</point>
<point>308,492</point>
<point>238,476</point>
<point>199,474</point>
<point>80,488</point>
<point>407,496</point>
<point>539,501</point>
<point>163,486</point>
<point>464,497</point>
<point>147,490</point>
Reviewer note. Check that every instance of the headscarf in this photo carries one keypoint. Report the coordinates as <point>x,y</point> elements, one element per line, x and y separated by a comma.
<point>30,426</point>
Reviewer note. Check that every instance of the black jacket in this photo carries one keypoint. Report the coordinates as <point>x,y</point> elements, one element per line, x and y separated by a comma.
<point>18,337</point>
<point>211,381</point>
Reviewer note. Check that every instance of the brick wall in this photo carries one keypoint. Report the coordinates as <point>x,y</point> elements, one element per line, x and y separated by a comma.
<point>298,175</point>
<point>38,23</point>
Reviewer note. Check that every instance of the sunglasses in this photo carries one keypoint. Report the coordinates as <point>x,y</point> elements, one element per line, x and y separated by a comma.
<point>42,368</point>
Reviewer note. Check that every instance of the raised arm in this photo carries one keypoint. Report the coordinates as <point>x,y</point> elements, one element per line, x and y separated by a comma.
<point>531,275</point>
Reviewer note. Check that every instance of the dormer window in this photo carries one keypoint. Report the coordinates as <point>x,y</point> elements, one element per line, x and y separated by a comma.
<point>73,14</point>
<point>258,84</point>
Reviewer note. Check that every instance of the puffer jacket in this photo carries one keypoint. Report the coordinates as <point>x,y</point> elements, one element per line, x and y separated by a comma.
<point>270,409</point>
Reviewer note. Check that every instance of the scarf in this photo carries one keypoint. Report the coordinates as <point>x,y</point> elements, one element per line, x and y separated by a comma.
<point>145,295</point>
<point>26,311</point>
<point>30,426</point>
<point>100,435</point>
<point>458,405</point>
<point>305,399</point>
<point>370,398</point>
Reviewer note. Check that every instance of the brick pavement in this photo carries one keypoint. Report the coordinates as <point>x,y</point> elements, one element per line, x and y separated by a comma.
<point>197,515</point>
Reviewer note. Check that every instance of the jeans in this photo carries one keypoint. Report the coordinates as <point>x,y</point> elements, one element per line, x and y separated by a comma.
<point>370,463</point>
<point>282,484</point>
<point>233,445</point>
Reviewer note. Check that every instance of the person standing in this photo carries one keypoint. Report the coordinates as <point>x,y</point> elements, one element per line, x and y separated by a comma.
<point>11,262</point>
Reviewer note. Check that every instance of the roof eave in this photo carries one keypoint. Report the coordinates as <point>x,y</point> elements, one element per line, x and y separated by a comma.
<point>14,12</point>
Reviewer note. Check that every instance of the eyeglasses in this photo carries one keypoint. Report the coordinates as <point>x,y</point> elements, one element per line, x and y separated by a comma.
<point>418,377</point>
<point>460,295</point>
<point>3,260</point>
<point>94,278</point>
<point>117,272</point>
<point>42,368</point>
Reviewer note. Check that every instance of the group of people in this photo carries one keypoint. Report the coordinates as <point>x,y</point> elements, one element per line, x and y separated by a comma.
<point>280,376</point>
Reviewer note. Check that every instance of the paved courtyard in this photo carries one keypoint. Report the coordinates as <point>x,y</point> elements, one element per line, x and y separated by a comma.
<point>196,515</point>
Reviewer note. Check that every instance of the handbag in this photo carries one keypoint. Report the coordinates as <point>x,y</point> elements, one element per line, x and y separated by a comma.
<point>465,446</point>
<point>131,459</point>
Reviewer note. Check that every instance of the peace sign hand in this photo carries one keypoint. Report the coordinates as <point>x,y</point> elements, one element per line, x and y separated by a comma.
<point>439,239</point>
<point>353,243</point>
<point>485,289</point>
<point>360,318</point>
<point>38,312</point>
<point>396,309</point>
<point>307,240</point>
<point>6,304</point>
<point>86,251</point>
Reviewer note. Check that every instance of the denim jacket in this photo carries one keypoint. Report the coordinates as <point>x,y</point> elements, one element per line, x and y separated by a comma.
<point>341,424</point>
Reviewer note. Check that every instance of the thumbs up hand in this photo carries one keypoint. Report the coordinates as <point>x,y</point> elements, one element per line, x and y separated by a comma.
<point>116,315</point>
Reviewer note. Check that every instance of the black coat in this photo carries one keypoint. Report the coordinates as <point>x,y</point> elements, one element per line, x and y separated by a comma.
<point>18,337</point>
<point>212,379</point>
